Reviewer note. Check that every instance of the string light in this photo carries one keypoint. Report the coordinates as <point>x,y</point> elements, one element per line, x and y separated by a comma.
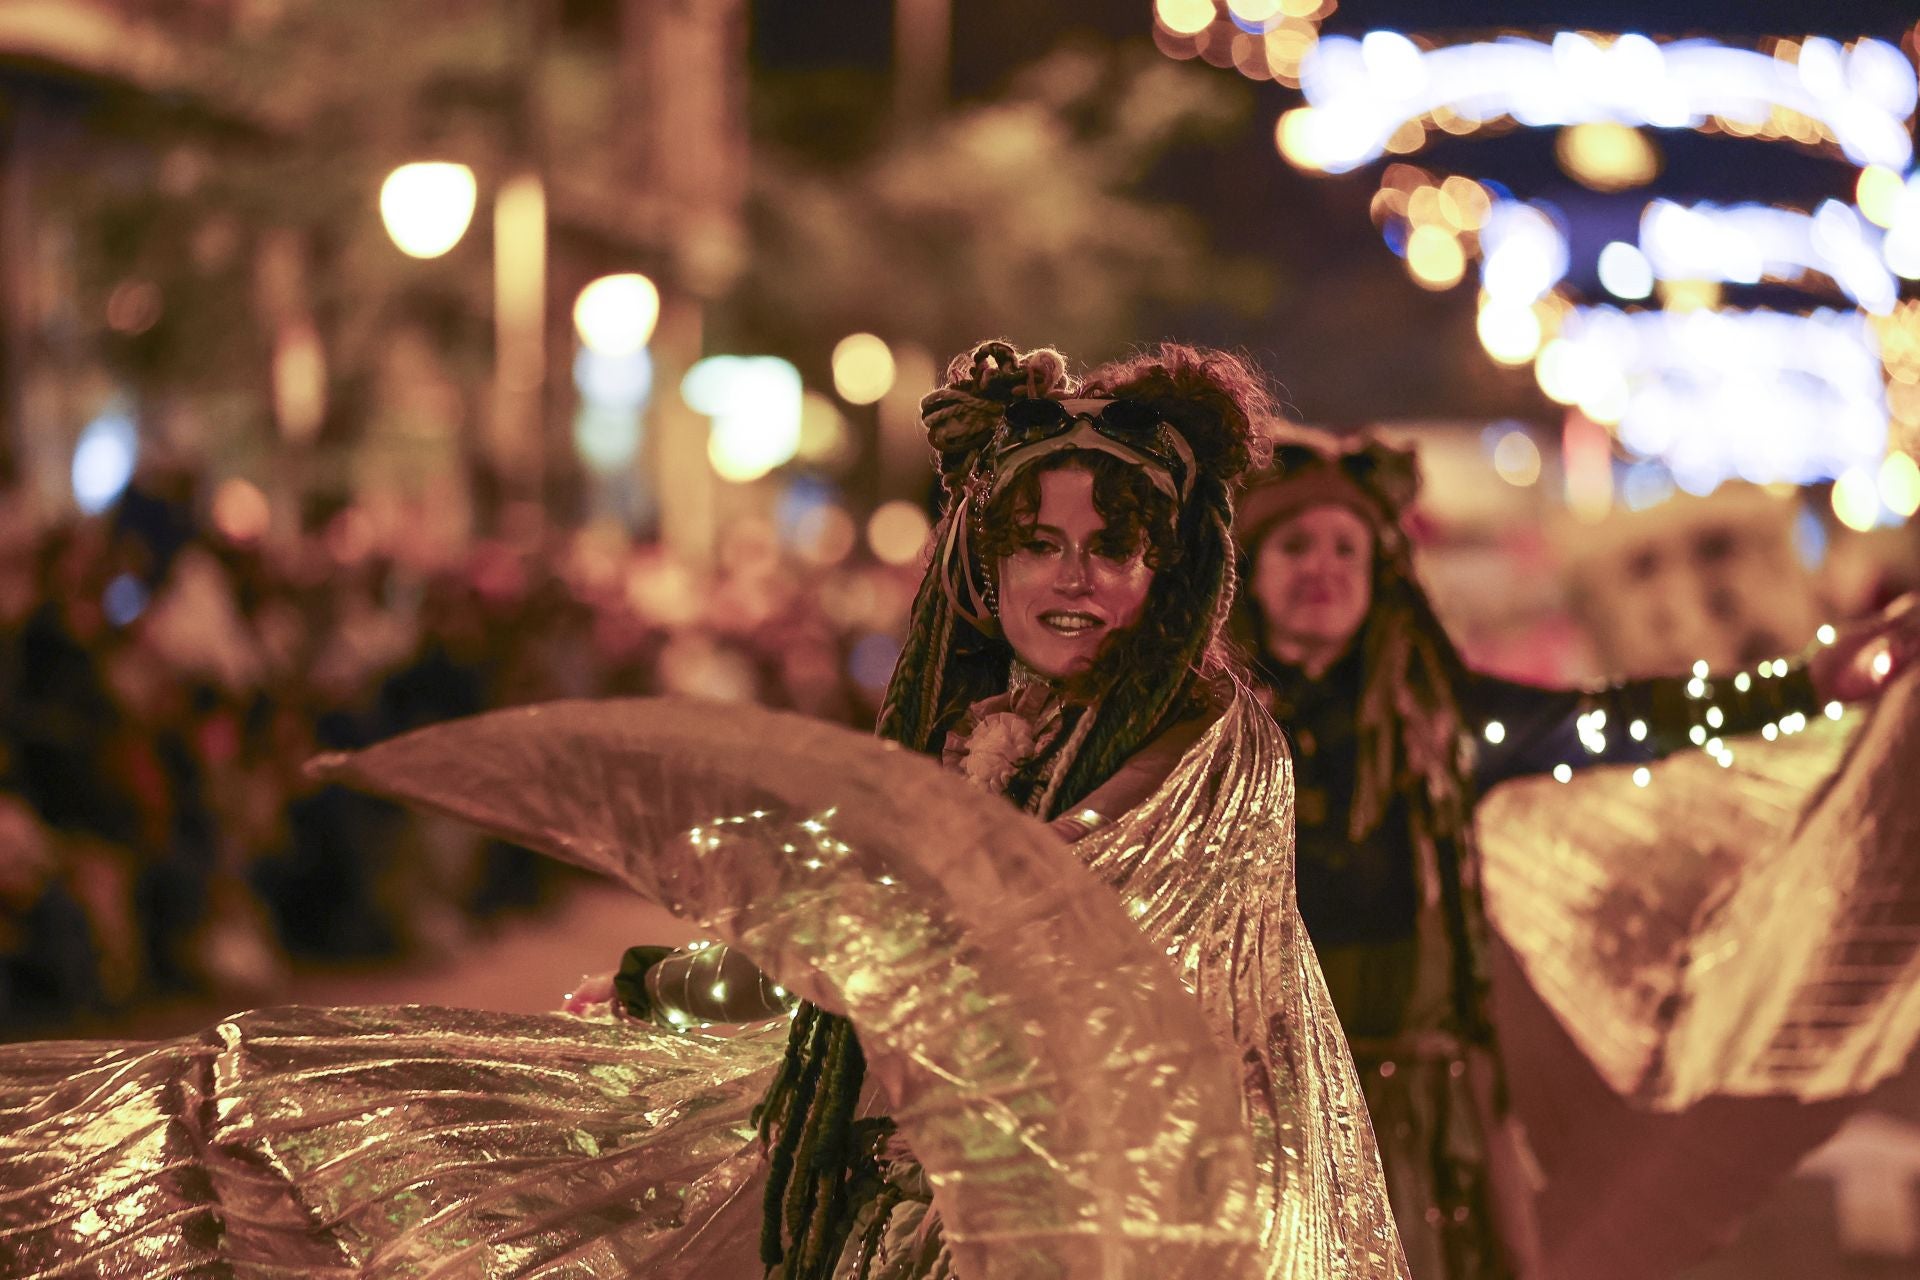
<point>1637,731</point>
<point>1743,682</point>
<point>1367,88</point>
<point>1835,711</point>
<point>1642,776</point>
<point>1563,773</point>
<point>1496,732</point>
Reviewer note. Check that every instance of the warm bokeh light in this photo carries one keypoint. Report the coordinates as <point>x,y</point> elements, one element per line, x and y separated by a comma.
<point>240,511</point>
<point>1517,458</point>
<point>134,306</point>
<point>1878,194</point>
<point>1294,134</point>
<point>299,382</point>
<point>1509,331</point>
<point>863,368</point>
<point>1689,295</point>
<point>1557,371</point>
<point>1856,499</point>
<point>615,315</point>
<point>1408,137</point>
<point>824,437</point>
<point>896,532</point>
<point>1187,17</point>
<point>426,206</point>
<point>1899,484</point>
<point>1435,258</point>
<point>1607,156</point>
<point>1465,203</point>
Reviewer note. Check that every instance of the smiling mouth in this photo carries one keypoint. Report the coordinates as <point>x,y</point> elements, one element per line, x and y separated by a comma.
<point>1065,622</point>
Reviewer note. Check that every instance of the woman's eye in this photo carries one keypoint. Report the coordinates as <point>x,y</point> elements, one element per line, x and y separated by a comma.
<point>1037,547</point>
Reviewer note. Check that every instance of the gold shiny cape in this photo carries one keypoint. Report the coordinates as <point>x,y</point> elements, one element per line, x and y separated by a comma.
<point>1073,1105</point>
<point>1703,967</point>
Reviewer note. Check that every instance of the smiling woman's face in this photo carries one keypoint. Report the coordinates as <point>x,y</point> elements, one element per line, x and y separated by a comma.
<point>1065,590</point>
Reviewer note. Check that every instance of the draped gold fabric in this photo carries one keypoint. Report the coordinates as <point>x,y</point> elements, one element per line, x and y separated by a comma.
<point>1077,1111</point>
<point>1206,869</point>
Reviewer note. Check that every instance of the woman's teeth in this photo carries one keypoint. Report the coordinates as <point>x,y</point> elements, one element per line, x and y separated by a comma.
<point>1070,623</point>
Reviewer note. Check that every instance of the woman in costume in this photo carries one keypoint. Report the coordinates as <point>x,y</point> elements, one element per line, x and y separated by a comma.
<point>1012,1060</point>
<point>1395,740</point>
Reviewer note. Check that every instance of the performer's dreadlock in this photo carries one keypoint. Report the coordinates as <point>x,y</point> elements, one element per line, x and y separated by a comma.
<point>824,1166</point>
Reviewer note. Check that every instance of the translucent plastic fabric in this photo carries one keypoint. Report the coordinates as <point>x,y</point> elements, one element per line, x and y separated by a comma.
<point>1079,1113</point>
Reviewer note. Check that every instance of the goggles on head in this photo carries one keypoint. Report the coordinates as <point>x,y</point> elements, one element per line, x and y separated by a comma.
<point>1131,430</point>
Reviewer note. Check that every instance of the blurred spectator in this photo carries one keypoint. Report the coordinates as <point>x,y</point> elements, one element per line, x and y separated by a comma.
<point>163,684</point>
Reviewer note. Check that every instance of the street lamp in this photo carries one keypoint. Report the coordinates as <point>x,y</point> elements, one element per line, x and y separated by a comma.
<point>427,206</point>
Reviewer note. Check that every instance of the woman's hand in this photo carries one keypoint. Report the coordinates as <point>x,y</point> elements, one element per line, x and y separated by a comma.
<point>592,997</point>
<point>1867,653</point>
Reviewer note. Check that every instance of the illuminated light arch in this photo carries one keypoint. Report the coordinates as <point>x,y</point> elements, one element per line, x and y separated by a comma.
<point>1361,92</point>
<point>1722,394</point>
<point>1748,243</point>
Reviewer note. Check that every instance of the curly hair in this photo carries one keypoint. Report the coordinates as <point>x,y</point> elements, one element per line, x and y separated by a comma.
<point>823,1167</point>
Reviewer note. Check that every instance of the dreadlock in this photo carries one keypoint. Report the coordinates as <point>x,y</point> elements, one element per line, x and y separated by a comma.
<point>823,1167</point>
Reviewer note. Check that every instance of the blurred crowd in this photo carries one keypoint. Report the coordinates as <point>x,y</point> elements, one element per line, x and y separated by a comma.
<point>164,682</point>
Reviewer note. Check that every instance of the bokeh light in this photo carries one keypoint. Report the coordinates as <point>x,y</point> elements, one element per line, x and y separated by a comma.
<point>103,461</point>
<point>615,315</point>
<point>1296,134</point>
<point>755,404</point>
<point>824,534</point>
<point>896,532</point>
<point>134,306</point>
<point>1557,370</point>
<point>1878,192</point>
<point>614,381</point>
<point>824,437</point>
<point>1435,258</point>
<point>863,368</point>
<point>240,511</point>
<point>1517,458</point>
<point>1509,331</point>
<point>1625,271</point>
<point>426,206</point>
<point>1607,156</point>
<point>606,436</point>
<point>1899,484</point>
<point>1187,17</point>
<point>1856,499</point>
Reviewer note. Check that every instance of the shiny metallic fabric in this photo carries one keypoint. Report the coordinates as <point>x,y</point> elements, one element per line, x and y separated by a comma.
<point>1206,870</point>
<point>1745,930</point>
<point>1077,1111</point>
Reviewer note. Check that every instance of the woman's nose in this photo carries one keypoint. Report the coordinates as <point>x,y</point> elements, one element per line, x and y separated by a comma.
<point>1072,576</point>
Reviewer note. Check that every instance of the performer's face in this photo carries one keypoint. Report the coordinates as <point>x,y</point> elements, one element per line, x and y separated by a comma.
<point>1065,591</point>
<point>1313,577</point>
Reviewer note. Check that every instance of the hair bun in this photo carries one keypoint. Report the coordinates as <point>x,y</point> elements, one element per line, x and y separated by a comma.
<point>959,418</point>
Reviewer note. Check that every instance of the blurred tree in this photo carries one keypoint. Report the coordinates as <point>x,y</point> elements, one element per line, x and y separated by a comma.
<point>1018,217</point>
